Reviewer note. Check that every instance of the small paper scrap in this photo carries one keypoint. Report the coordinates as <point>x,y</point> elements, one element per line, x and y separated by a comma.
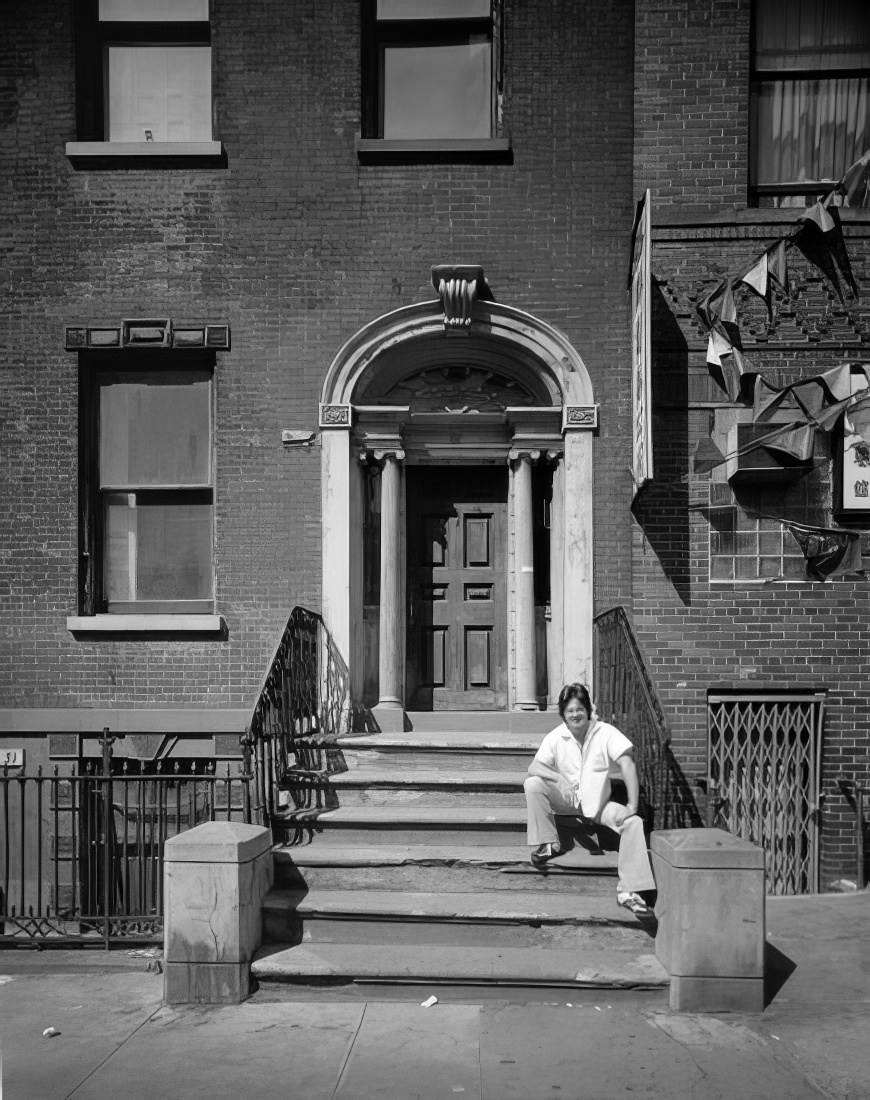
<point>50,1032</point>
<point>429,1002</point>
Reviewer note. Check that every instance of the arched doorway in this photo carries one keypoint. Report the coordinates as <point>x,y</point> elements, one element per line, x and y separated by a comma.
<point>456,505</point>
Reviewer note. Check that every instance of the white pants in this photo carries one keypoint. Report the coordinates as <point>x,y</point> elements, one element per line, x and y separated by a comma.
<point>545,799</point>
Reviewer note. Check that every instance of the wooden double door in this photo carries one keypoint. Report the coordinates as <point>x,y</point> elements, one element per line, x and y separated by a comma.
<point>456,552</point>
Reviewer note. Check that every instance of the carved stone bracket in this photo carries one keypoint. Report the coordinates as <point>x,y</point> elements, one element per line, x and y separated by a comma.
<point>459,286</point>
<point>335,416</point>
<point>579,417</point>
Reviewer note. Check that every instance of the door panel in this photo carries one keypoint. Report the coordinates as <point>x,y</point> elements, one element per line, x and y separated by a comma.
<point>456,588</point>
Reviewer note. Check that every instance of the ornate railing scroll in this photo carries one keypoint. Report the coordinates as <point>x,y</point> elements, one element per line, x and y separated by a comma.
<point>302,707</point>
<point>626,696</point>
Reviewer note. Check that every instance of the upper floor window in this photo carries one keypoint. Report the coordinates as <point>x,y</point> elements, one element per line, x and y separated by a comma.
<point>145,71</point>
<point>431,69</point>
<point>810,96</point>
<point>147,494</point>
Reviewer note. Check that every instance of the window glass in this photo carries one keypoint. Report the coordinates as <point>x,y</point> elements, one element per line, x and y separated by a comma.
<point>164,11</point>
<point>812,34</point>
<point>433,9</point>
<point>438,91</point>
<point>162,89</point>
<point>157,547</point>
<point>154,431</point>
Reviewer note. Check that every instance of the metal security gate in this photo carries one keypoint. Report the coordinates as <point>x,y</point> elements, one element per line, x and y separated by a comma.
<point>764,753</point>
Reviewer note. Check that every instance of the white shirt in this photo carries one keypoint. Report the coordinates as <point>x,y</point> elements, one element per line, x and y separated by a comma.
<point>588,770</point>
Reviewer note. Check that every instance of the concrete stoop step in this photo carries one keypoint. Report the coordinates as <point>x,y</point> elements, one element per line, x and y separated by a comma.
<point>407,863</point>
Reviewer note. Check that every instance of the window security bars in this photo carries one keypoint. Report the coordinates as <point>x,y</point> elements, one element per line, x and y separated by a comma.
<point>81,854</point>
<point>764,753</point>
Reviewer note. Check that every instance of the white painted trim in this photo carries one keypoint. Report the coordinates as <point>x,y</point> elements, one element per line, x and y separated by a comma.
<point>100,149</point>
<point>145,624</point>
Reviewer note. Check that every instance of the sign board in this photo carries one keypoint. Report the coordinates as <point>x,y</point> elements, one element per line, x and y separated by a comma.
<point>11,758</point>
<point>855,465</point>
<point>641,347</point>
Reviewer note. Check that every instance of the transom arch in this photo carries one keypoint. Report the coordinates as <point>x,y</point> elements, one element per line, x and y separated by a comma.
<point>513,346</point>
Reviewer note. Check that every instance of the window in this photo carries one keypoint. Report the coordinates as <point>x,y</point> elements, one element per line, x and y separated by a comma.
<point>810,96</point>
<point>748,543</point>
<point>431,69</point>
<point>145,71</point>
<point>148,500</point>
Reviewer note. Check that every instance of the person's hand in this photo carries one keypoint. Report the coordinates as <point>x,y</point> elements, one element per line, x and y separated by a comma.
<point>623,813</point>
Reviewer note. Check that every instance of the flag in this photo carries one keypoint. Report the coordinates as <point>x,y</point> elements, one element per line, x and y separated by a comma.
<point>820,238</point>
<point>855,184</point>
<point>756,276</point>
<point>828,551</point>
<point>768,400</point>
<point>725,363</point>
<point>777,265</point>
<point>796,441</point>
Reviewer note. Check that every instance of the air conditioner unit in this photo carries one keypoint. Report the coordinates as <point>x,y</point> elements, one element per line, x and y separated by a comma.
<point>760,465</point>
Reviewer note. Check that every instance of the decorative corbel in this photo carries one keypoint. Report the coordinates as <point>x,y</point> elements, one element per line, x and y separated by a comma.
<point>459,286</point>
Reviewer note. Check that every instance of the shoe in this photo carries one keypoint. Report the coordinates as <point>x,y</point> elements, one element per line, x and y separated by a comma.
<point>634,903</point>
<point>544,852</point>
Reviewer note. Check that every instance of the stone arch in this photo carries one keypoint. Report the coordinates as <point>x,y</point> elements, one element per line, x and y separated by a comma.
<point>371,385</point>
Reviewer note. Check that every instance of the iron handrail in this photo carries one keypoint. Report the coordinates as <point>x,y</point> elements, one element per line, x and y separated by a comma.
<point>302,705</point>
<point>625,694</point>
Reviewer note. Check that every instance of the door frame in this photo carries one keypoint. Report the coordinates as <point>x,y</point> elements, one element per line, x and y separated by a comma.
<point>561,426</point>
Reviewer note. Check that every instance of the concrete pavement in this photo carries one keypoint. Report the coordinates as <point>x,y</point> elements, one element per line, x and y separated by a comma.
<point>117,1039</point>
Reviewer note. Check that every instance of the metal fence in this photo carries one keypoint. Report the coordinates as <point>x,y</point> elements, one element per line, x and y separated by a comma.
<point>81,850</point>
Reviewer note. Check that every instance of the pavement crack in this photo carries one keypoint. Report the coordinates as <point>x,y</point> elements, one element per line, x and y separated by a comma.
<point>112,1053</point>
<point>351,1045</point>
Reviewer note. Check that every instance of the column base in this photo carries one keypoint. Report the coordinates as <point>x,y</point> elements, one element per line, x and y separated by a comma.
<point>390,717</point>
<point>526,706</point>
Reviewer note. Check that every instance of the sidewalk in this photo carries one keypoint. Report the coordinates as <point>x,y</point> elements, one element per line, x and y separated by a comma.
<point>118,1040</point>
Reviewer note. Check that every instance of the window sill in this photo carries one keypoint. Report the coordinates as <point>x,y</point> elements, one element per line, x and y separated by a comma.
<point>428,151</point>
<point>139,154</point>
<point>146,624</point>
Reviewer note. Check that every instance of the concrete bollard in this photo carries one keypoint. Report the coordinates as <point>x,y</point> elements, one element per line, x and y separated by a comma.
<point>711,919</point>
<point>215,877</point>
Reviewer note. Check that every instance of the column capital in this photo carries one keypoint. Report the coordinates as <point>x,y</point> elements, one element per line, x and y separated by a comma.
<point>518,454</point>
<point>378,456</point>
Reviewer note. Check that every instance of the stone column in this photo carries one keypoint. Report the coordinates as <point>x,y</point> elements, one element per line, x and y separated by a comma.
<point>390,678</point>
<point>524,581</point>
<point>577,636</point>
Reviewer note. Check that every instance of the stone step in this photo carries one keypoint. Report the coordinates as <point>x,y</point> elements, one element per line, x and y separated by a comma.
<point>367,825</point>
<point>379,906</point>
<point>441,867</point>
<point>378,786</point>
<point>444,750</point>
<point>536,722</point>
<point>605,968</point>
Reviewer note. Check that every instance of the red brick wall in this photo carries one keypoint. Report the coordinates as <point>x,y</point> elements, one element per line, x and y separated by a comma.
<point>691,150</point>
<point>296,245</point>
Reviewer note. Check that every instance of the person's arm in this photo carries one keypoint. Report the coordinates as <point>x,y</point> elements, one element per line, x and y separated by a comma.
<point>537,767</point>
<point>628,768</point>
<point>544,764</point>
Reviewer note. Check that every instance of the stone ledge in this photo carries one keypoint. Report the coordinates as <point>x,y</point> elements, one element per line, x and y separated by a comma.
<point>146,624</point>
<point>706,848</point>
<point>218,842</point>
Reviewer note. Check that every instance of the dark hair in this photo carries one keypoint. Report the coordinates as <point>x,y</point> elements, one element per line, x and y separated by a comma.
<point>578,692</point>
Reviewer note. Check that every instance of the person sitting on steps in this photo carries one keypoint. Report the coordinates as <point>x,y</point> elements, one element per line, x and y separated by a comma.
<point>571,775</point>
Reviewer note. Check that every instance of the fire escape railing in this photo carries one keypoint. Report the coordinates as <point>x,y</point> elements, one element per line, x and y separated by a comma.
<point>302,707</point>
<point>626,696</point>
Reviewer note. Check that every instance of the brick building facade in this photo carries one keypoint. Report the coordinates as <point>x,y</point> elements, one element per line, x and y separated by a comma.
<point>296,230</point>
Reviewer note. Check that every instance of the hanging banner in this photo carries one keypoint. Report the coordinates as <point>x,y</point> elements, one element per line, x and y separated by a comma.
<point>641,346</point>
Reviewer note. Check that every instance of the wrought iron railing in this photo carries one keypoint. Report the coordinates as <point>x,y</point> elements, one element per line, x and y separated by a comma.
<point>303,705</point>
<point>81,847</point>
<point>626,696</point>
